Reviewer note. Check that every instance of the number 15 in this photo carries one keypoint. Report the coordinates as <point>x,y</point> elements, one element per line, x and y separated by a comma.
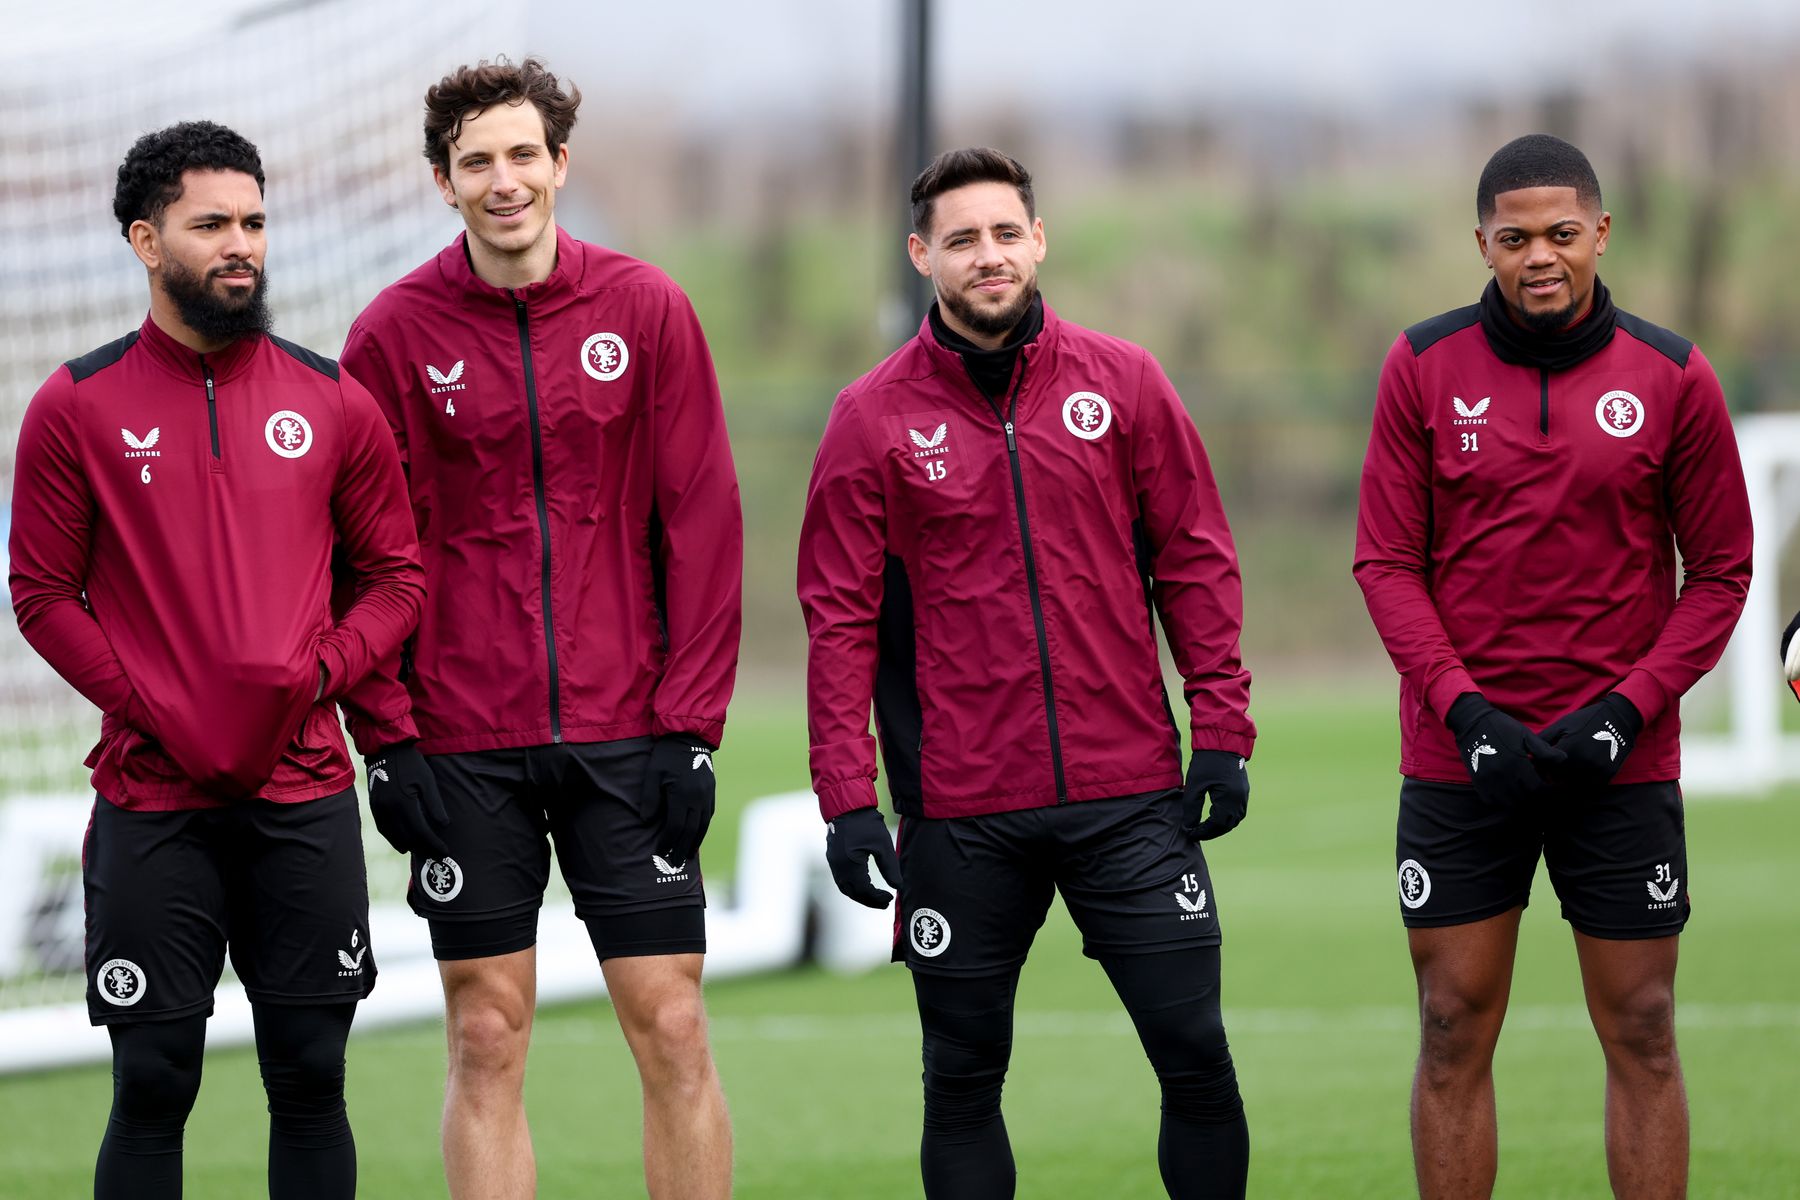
<point>934,470</point>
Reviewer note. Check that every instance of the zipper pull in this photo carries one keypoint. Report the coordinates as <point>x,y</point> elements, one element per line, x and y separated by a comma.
<point>1011,445</point>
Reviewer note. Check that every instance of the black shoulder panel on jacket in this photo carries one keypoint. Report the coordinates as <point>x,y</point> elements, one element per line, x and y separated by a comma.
<point>95,361</point>
<point>1672,345</point>
<point>1430,332</point>
<point>318,362</point>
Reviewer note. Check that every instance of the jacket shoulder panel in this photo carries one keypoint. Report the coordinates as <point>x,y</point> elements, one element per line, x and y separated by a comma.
<point>98,360</point>
<point>1432,330</point>
<point>1669,344</point>
<point>325,366</point>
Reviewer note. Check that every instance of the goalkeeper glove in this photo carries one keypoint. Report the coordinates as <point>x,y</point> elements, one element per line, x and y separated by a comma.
<point>1505,760</point>
<point>1224,775</point>
<point>1596,740</point>
<point>850,841</point>
<point>404,800</point>
<point>678,794</point>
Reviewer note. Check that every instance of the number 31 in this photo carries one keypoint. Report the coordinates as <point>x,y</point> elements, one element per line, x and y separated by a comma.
<point>1471,441</point>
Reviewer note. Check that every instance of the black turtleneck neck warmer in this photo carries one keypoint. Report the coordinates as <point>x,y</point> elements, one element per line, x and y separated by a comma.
<point>991,370</point>
<point>1559,351</point>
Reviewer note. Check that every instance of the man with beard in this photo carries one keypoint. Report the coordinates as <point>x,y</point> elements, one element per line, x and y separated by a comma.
<point>998,514</point>
<point>1539,463</point>
<point>180,496</point>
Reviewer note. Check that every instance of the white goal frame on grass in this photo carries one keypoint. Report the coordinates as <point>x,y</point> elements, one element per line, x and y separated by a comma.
<point>1754,754</point>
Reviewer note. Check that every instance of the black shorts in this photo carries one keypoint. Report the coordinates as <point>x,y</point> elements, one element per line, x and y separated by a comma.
<point>506,806</point>
<point>977,888</point>
<point>1617,857</point>
<point>167,893</point>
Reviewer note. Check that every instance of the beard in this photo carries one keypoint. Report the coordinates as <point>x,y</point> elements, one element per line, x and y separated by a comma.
<point>214,317</point>
<point>1546,323</point>
<point>990,322</point>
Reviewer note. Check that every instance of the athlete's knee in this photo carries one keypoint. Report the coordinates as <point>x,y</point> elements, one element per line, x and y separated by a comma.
<point>671,1046</point>
<point>1457,1031</point>
<point>1187,1048</point>
<point>156,1074</point>
<point>1640,1028</point>
<point>965,1070</point>
<point>488,1035</point>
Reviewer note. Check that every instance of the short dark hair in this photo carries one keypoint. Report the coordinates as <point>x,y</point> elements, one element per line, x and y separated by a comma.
<point>466,90</point>
<point>1535,160</point>
<point>150,176</point>
<point>959,168</point>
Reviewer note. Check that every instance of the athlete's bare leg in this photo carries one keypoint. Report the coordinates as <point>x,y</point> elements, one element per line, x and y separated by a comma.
<point>687,1132</point>
<point>1465,975</point>
<point>1630,989</point>
<point>488,1004</point>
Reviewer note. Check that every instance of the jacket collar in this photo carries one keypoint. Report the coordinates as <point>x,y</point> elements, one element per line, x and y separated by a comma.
<point>946,361</point>
<point>562,285</point>
<point>178,359</point>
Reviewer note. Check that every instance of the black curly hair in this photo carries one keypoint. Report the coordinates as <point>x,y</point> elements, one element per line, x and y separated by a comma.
<point>150,176</point>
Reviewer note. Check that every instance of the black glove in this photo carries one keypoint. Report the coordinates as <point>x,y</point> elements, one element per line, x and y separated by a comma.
<point>850,841</point>
<point>678,794</point>
<point>403,797</point>
<point>1222,773</point>
<point>1596,740</point>
<point>1506,761</point>
<point>1790,655</point>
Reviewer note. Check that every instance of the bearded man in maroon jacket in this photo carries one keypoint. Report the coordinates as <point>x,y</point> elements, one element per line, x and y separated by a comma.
<point>1554,543</point>
<point>181,496</point>
<point>999,514</point>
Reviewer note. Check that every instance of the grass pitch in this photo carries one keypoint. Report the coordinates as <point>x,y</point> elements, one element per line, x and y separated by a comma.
<point>822,1072</point>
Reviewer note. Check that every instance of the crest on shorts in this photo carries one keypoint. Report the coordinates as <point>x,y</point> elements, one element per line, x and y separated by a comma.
<point>121,982</point>
<point>1415,884</point>
<point>441,879</point>
<point>930,932</point>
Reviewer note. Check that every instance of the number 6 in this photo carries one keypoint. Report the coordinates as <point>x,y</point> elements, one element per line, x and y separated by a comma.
<point>144,474</point>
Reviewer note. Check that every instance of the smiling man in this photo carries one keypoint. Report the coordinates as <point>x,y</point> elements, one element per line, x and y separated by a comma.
<point>1540,463</point>
<point>180,498</point>
<point>998,515</point>
<point>565,447</point>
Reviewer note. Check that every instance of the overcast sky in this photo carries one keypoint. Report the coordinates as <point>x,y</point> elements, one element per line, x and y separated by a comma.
<point>708,59</point>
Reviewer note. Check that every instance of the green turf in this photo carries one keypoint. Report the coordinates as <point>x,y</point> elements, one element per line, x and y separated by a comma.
<point>822,1072</point>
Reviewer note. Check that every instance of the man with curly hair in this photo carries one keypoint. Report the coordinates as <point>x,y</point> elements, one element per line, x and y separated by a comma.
<point>180,496</point>
<point>565,448</point>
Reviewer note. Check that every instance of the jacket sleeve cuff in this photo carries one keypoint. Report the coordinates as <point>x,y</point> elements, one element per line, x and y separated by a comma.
<point>706,729</point>
<point>1648,696</point>
<point>1442,692</point>
<point>373,736</point>
<point>332,659</point>
<point>1232,741</point>
<point>848,796</point>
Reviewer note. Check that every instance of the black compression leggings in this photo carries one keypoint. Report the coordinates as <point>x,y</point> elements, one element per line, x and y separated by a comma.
<point>1203,1149</point>
<point>156,1075</point>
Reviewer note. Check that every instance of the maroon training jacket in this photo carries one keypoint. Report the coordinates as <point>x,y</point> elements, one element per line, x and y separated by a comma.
<point>1518,531</point>
<point>996,607</point>
<point>575,499</point>
<point>174,517</point>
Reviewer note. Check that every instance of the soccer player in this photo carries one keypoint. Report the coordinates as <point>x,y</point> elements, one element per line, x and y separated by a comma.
<point>1538,461</point>
<point>998,514</point>
<point>564,442</point>
<point>178,498</point>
